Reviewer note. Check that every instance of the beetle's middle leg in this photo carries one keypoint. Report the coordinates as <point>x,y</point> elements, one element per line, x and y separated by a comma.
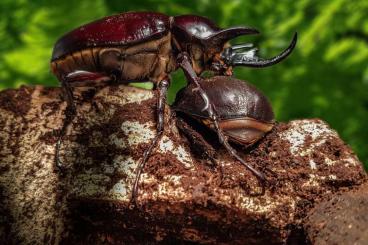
<point>184,63</point>
<point>162,89</point>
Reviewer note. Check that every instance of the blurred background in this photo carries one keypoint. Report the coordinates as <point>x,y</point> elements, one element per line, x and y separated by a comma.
<point>326,76</point>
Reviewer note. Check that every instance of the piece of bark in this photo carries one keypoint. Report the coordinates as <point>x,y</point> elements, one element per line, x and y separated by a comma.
<point>341,220</point>
<point>181,198</point>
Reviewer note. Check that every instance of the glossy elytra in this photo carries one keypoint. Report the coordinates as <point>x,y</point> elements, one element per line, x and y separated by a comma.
<point>148,46</point>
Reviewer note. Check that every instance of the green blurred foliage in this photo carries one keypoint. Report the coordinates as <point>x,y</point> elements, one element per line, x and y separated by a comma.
<point>325,77</point>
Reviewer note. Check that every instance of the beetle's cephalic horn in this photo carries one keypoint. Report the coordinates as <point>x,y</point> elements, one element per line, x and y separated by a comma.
<point>249,57</point>
<point>219,38</point>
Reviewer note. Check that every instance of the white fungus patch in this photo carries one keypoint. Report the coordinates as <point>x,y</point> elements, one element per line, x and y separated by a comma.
<point>329,162</point>
<point>351,161</point>
<point>138,133</point>
<point>332,177</point>
<point>117,141</point>
<point>125,164</point>
<point>317,131</point>
<point>167,145</point>
<point>175,179</point>
<point>120,191</point>
<point>264,204</point>
<point>127,95</point>
<point>90,184</point>
<point>313,181</point>
<point>312,164</point>
<point>166,191</point>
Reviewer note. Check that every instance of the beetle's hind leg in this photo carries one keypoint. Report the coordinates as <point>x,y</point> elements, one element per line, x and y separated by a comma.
<point>162,89</point>
<point>75,79</point>
<point>70,113</point>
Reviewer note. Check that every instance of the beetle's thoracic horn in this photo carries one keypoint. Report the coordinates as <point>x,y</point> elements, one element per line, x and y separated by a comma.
<point>222,36</point>
<point>249,57</point>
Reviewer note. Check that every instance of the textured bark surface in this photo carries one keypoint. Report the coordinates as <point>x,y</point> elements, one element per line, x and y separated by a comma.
<point>341,220</point>
<point>182,196</point>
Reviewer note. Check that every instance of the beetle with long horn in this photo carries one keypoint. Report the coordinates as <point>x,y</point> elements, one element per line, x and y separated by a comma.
<point>148,46</point>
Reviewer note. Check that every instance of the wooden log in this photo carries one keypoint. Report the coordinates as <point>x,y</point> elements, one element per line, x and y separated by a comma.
<point>182,198</point>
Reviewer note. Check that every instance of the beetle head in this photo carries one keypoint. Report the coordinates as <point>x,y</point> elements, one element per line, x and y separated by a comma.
<point>208,45</point>
<point>204,40</point>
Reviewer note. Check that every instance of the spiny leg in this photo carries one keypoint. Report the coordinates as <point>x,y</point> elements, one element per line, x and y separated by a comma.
<point>162,89</point>
<point>184,63</point>
<point>80,79</point>
<point>70,113</point>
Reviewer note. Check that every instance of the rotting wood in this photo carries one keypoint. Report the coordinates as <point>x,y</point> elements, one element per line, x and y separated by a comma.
<point>182,197</point>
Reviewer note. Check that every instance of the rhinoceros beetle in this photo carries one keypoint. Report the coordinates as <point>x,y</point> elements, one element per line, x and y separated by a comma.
<point>148,46</point>
<point>244,114</point>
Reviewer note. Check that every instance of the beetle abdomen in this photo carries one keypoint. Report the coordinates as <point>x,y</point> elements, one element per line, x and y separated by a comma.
<point>140,62</point>
<point>80,60</point>
<point>117,30</point>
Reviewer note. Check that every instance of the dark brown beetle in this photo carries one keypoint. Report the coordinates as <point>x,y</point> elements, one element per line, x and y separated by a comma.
<point>148,46</point>
<point>244,114</point>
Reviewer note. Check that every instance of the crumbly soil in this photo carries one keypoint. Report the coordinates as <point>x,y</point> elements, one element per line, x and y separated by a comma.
<point>185,196</point>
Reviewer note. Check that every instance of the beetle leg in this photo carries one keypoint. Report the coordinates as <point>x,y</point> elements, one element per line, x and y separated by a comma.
<point>86,78</point>
<point>75,79</point>
<point>224,141</point>
<point>162,89</point>
<point>70,113</point>
<point>260,176</point>
<point>184,63</point>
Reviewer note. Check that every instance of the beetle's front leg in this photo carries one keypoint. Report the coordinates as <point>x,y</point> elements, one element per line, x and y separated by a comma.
<point>184,63</point>
<point>161,101</point>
